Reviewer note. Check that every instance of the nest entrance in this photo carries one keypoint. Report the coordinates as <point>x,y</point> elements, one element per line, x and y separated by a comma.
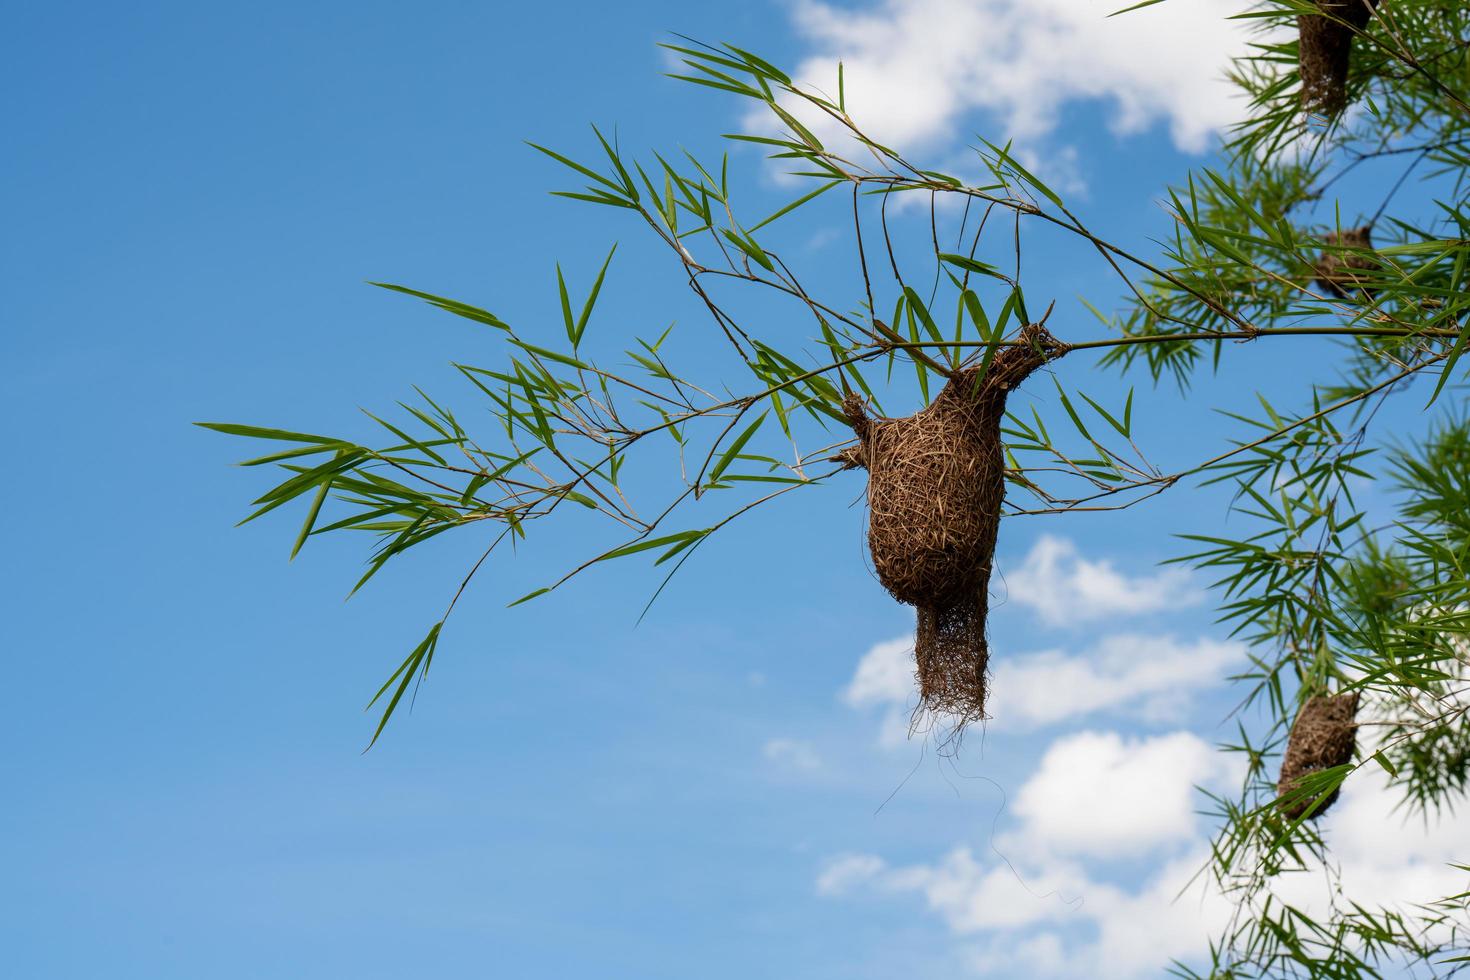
<point>1345,276</point>
<point>1324,48</point>
<point>936,480</point>
<point>1323,736</point>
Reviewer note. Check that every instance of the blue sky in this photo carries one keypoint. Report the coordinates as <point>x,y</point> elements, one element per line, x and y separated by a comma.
<point>194,199</point>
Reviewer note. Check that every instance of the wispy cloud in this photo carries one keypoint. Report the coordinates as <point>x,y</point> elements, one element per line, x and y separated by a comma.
<point>1064,588</point>
<point>1051,909</point>
<point>1148,678</point>
<point>792,753</point>
<point>884,675</point>
<point>914,68</point>
<point>847,872</point>
<point>1029,921</point>
<point>1144,677</point>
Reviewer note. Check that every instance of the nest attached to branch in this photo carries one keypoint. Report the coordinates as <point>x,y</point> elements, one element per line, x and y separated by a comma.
<point>936,480</point>
<point>1345,276</point>
<point>1323,736</point>
<point>1325,47</point>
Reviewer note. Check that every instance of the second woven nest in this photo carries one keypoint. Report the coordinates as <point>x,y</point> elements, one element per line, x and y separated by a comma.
<point>1347,276</point>
<point>936,480</point>
<point>1322,737</point>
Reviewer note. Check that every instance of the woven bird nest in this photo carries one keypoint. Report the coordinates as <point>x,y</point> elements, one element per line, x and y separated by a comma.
<point>1324,48</point>
<point>1344,276</point>
<point>1323,736</point>
<point>936,480</point>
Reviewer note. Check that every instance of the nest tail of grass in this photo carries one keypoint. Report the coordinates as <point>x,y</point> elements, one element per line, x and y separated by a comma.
<point>1347,276</point>
<point>936,480</point>
<point>1323,736</point>
<point>1324,48</point>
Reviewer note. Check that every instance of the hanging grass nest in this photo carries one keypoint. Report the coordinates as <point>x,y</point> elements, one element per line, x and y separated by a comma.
<point>1347,276</point>
<point>1324,48</point>
<point>936,480</point>
<point>1323,736</point>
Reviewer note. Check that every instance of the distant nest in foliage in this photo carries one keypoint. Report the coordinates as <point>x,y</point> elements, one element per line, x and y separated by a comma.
<point>1322,737</point>
<point>1347,276</point>
<point>1325,47</point>
<point>936,480</point>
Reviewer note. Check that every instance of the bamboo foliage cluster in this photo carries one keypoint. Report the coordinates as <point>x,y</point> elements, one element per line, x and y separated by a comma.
<point>1328,602</point>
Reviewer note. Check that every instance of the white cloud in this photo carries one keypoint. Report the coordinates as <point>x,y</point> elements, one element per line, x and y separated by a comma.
<point>968,894</point>
<point>884,675</point>
<point>1039,909</point>
<point>1132,934</point>
<point>1045,912</point>
<point>1103,795</point>
<point>972,896</point>
<point>1064,588</point>
<point>1139,933</point>
<point>846,872</point>
<point>913,68</point>
<point>1051,921</point>
<point>792,753</point>
<point>1150,678</point>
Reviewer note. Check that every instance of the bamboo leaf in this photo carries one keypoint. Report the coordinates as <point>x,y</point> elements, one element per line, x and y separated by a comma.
<point>416,662</point>
<point>795,204</point>
<point>734,449</point>
<point>971,265</point>
<point>586,314</point>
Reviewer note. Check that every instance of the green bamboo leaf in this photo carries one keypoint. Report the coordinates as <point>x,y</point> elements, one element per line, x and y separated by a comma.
<point>449,305</point>
<point>971,265</point>
<point>709,56</point>
<point>566,307</point>
<point>581,498</point>
<point>566,162</point>
<point>735,447</point>
<point>629,188</point>
<point>297,453</point>
<point>796,204</point>
<point>308,477</point>
<point>650,543</point>
<point>606,199</point>
<point>586,313</point>
<point>550,355</point>
<point>1121,429</point>
<point>409,440</point>
<point>529,596</point>
<point>990,335</point>
<point>766,141</point>
<point>1449,364</point>
<point>416,662</point>
<point>750,248</point>
<point>311,516</point>
<point>917,307</point>
<point>1027,175</point>
<point>760,65</point>
<point>738,89</point>
<point>689,542</point>
<point>256,432</point>
<point>806,135</point>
